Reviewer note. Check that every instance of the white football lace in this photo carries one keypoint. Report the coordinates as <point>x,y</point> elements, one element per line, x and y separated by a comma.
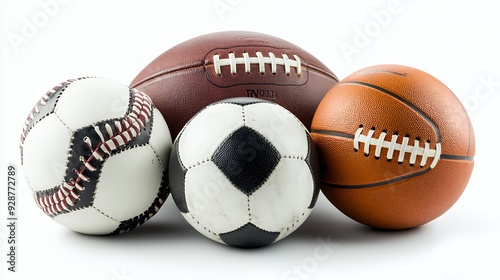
<point>425,152</point>
<point>232,61</point>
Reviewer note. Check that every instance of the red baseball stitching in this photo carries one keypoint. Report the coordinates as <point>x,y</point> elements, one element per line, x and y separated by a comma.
<point>36,109</point>
<point>127,129</point>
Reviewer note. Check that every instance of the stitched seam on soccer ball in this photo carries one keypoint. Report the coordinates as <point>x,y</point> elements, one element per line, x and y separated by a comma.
<point>41,103</point>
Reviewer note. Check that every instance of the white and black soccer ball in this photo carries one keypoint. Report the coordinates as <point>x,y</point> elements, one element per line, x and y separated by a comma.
<point>95,154</point>
<point>244,172</point>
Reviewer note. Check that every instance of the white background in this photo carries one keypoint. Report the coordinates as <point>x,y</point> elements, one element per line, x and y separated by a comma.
<point>456,42</point>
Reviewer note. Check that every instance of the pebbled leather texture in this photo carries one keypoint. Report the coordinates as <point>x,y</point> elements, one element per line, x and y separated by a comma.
<point>397,100</point>
<point>183,80</point>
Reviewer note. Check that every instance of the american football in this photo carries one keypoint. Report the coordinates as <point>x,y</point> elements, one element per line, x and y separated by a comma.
<point>203,70</point>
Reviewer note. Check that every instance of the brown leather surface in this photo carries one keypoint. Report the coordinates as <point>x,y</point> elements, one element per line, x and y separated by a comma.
<point>183,81</point>
<point>409,102</point>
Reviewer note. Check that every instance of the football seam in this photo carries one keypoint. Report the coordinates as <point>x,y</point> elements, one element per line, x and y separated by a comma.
<point>232,61</point>
<point>160,76</point>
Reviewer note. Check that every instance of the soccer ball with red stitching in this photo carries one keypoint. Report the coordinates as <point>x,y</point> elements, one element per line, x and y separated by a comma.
<point>94,153</point>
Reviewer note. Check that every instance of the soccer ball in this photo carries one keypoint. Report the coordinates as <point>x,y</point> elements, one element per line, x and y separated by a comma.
<point>244,172</point>
<point>95,153</point>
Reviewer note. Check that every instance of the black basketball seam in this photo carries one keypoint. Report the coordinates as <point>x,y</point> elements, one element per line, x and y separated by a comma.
<point>469,126</point>
<point>455,157</point>
<point>404,101</point>
<point>384,71</point>
<point>390,181</point>
<point>394,180</point>
<point>332,133</point>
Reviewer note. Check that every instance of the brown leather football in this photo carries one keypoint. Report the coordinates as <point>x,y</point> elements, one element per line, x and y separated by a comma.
<point>209,68</point>
<point>396,146</point>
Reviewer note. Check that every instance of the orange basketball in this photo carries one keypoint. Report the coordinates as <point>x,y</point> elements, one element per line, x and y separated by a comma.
<point>396,145</point>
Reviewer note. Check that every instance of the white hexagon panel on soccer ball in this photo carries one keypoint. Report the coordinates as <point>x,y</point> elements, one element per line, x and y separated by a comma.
<point>92,100</point>
<point>88,221</point>
<point>214,204</point>
<point>207,130</point>
<point>128,183</point>
<point>45,153</point>
<point>279,126</point>
<point>282,203</point>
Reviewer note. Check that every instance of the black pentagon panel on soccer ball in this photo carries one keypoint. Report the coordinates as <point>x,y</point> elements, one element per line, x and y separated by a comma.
<point>243,101</point>
<point>249,236</point>
<point>312,161</point>
<point>177,175</point>
<point>247,159</point>
<point>81,150</point>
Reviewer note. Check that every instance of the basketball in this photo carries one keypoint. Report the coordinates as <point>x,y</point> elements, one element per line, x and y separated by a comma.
<point>396,147</point>
<point>209,68</point>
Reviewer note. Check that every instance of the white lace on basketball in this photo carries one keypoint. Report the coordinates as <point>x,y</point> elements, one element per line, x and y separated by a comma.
<point>232,61</point>
<point>403,148</point>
